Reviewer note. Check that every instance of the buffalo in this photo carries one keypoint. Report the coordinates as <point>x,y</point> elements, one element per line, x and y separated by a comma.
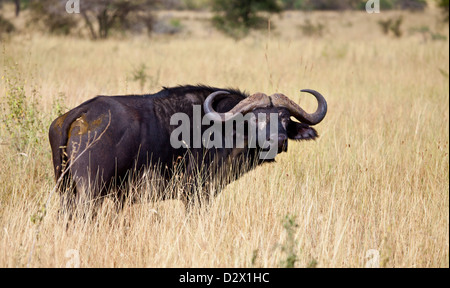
<point>100,145</point>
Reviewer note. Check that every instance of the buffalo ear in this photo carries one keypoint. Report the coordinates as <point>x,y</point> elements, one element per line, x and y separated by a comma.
<point>300,131</point>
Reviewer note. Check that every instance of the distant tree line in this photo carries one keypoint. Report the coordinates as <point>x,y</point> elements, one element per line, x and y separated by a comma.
<point>237,17</point>
<point>100,18</point>
<point>416,5</point>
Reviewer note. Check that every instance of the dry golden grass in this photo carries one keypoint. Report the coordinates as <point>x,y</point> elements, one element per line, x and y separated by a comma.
<point>377,178</point>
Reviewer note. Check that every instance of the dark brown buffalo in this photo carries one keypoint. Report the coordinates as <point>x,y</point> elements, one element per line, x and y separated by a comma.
<point>106,141</point>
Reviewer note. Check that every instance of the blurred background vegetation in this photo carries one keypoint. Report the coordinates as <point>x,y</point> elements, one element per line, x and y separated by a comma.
<point>376,179</point>
<point>100,19</point>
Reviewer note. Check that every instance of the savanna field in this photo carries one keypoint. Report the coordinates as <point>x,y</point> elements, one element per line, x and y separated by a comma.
<point>371,191</point>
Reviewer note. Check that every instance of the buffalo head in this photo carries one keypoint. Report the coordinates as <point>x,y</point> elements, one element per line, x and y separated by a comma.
<point>264,110</point>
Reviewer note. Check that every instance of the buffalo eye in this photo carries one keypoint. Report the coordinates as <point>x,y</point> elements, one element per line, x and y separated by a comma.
<point>262,123</point>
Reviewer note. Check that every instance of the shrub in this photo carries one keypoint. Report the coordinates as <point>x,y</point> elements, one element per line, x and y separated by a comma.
<point>237,17</point>
<point>310,29</point>
<point>384,5</point>
<point>50,15</point>
<point>100,16</point>
<point>329,4</point>
<point>427,33</point>
<point>294,4</point>
<point>392,25</point>
<point>395,27</point>
<point>385,25</point>
<point>168,25</point>
<point>444,5</point>
<point>20,115</point>
<point>5,26</point>
<point>289,247</point>
<point>412,5</point>
<point>119,15</point>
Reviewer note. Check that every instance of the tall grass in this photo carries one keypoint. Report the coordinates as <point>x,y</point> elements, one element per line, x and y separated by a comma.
<point>376,179</point>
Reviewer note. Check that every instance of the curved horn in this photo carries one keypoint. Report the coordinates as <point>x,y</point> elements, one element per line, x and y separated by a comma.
<point>246,105</point>
<point>280,100</point>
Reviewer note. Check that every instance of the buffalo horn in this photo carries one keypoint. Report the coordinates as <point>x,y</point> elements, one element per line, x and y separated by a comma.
<point>280,100</point>
<point>248,104</point>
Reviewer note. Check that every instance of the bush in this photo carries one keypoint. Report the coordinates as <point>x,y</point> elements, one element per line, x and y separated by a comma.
<point>412,5</point>
<point>310,29</point>
<point>444,5</point>
<point>6,26</point>
<point>237,17</point>
<point>384,5</point>
<point>21,116</point>
<point>392,25</point>
<point>427,33</point>
<point>100,16</point>
<point>329,4</point>
<point>196,4</point>
<point>168,25</point>
<point>50,15</point>
<point>294,4</point>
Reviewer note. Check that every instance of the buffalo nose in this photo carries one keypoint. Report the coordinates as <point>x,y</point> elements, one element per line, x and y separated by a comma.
<point>282,143</point>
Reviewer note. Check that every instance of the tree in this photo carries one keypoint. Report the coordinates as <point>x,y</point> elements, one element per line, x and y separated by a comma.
<point>238,17</point>
<point>16,4</point>
<point>100,16</point>
<point>444,5</point>
<point>116,14</point>
<point>50,15</point>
